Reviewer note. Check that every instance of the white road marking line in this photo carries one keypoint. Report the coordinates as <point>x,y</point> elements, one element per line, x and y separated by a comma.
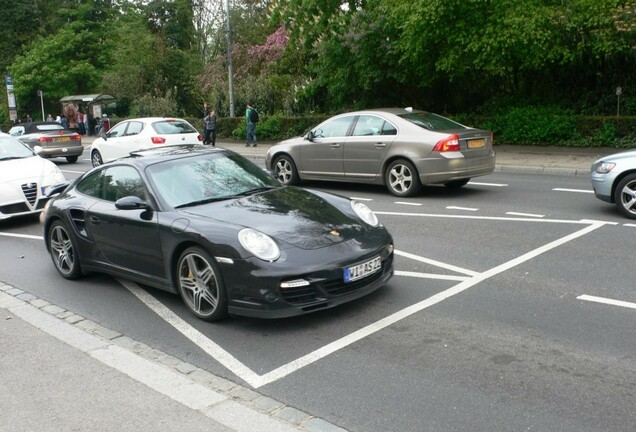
<point>229,361</point>
<point>462,208</point>
<point>73,172</point>
<point>361,199</point>
<point>408,203</point>
<point>214,350</point>
<point>430,276</point>
<point>630,225</point>
<point>591,221</point>
<point>436,263</point>
<point>573,190</point>
<point>607,301</point>
<point>525,214</point>
<point>492,218</point>
<point>488,184</point>
<point>25,236</point>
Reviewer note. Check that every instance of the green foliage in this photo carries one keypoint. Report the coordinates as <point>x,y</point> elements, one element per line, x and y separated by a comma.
<point>534,126</point>
<point>155,106</point>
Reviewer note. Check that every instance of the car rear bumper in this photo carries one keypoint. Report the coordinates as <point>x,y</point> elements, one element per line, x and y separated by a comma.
<point>51,152</point>
<point>454,166</point>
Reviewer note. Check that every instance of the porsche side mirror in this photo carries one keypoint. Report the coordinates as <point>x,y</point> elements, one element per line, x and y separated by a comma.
<point>49,191</point>
<point>131,203</point>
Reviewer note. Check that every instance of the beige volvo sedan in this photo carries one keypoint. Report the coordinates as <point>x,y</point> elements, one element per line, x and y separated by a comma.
<point>402,148</point>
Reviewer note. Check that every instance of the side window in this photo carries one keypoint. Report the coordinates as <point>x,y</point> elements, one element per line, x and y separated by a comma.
<point>117,131</point>
<point>92,185</point>
<point>335,128</point>
<point>388,129</point>
<point>368,125</point>
<point>134,128</point>
<point>122,181</point>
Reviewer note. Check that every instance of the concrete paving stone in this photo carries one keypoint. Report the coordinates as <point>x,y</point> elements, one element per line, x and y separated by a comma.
<point>221,384</point>
<point>53,309</point>
<point>185,368</point>
<point>169,360</point>
<point>154,354</point>
<point>88,325</point>
<point>267,404</point>
<point>291,415</point>
<point>26,297</point>
<point>106,333</point>
<point>319,425</point>
<point>39,303</point>
<point>14,291</point>
<point>131,344</point>
<point>8,301</point>
<point>4,286</point>
<point>243,393</point>
<point>243,419</point>
<point>74,319</point>
<point>65,315</point>
<point>201,376</point>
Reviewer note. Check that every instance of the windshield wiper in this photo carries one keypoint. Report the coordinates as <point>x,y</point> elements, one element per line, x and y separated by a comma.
<point>204,201</point>
<point>255,191</point>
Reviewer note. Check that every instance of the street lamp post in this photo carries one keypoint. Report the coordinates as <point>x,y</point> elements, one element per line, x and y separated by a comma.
<point>619,91</point>
<point>41,94</point>
<point>229,58</point>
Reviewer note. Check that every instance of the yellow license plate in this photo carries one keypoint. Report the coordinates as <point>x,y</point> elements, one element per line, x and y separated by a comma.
<point>476,143</point>
<point>63,139</point>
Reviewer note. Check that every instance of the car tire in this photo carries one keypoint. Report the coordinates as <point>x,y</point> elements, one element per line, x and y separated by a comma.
<point>456,184</point>
<point>96,158</point>
<point>285,170</point>
<point>63,250</point>
<point>200,285</point>
<point>402,179</point>
<point>72,159</point>
<point>625,196</point>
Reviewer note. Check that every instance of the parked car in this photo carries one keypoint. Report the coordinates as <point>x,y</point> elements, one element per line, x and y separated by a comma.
<point>24,176</point>
<point>400,148</point>
<point>614,181</point>
<point>52,137</point>
<point>140,133</point>
<point>214,227</point>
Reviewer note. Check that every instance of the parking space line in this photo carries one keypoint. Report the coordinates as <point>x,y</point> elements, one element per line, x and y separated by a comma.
<point>607,301</point>
<point>630,225</point>
<point>435,263</point>
<point>573,190</point>
<point>525,214</point>
<point>430,276</point>
<point>490,218</point>
<point>361,199</point>
<point>24,236</point>
<point>252,378</point>
<point>488,184</point>
<point>462,208</point>
<point>408,203</point>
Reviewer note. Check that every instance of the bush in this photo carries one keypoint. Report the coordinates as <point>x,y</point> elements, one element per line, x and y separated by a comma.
<point>535,126</point>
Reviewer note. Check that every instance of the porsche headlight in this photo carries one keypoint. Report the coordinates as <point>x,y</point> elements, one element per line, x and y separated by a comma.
<point>364,213</point>
<point>259,244</point>
<point>604,167</point>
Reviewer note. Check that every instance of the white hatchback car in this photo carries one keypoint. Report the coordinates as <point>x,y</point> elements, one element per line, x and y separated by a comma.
<point>142,133</point>
<point>24,178</point>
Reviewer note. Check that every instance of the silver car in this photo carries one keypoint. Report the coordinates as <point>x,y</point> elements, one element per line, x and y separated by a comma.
<point>401,148</point>
<point>52,137</point>
<point>614,181</point>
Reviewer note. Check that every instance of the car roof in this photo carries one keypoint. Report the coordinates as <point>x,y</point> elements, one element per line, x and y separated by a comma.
<point>154,119</point>
<point>150,156</point>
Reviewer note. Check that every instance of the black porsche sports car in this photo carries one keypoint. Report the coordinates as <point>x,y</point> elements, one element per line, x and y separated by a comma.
<point>212,226</point>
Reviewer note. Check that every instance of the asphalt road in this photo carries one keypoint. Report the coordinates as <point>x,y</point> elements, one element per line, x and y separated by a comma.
<point>492,323</point>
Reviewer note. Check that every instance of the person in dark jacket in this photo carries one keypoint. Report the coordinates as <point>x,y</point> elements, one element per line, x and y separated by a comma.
<point>209,125</point>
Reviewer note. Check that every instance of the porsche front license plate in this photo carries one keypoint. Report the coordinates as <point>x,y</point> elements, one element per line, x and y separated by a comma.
<point>361,270</point>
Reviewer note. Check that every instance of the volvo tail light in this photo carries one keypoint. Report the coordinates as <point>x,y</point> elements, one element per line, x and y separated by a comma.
<point>450,143</point>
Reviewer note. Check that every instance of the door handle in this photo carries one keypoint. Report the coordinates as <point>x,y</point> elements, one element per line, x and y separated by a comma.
<point>94,220</point>
<point>380,144</point>
<point>334,145</point>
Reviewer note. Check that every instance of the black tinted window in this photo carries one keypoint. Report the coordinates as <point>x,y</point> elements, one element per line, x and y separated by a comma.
<point>91,185</point>
<point>122,181</point>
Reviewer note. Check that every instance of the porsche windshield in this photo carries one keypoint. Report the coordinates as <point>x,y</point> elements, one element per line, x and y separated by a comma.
<point>207,178</point>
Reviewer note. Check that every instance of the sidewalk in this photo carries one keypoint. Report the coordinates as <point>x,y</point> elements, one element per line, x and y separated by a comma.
<point>61,372</point>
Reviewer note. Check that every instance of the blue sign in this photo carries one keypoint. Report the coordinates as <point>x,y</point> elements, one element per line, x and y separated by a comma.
<point>9,80</point>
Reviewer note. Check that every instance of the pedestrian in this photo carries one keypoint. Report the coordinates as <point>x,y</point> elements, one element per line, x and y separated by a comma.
<point>49,117</point>
<point>64,121</point>
<point>80,122</point>
<point>209,127</point>
<point>251,116</point>
<point>87,126</point>
<point>29,119</point>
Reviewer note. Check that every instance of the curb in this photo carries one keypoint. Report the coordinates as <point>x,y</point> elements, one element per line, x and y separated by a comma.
<point>234,406</point>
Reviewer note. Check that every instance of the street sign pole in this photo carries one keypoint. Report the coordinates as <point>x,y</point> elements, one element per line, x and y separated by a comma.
<point>41,94</point>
